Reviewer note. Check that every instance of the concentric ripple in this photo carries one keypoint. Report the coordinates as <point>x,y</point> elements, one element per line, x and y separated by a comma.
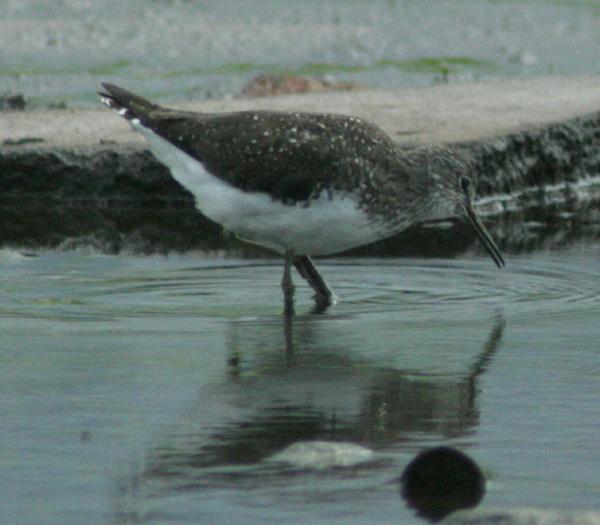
<point>75,287</point>
<point>536,285</point>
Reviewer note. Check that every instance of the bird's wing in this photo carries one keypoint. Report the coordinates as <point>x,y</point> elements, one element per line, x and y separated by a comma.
<point>292,156</point>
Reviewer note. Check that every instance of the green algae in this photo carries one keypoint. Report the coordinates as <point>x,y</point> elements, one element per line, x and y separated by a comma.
<point>424,65</point>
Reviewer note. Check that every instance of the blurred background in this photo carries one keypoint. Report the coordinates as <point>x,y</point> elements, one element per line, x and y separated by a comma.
<point>56,52</point>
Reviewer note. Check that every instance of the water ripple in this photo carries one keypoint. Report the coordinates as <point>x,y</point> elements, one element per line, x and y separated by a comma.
<point>70,287</point>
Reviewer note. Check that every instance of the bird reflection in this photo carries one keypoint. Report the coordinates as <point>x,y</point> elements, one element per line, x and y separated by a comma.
<point>321,395</point>
<point>398,404</point>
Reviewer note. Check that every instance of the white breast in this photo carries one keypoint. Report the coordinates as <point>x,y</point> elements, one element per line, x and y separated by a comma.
<point>328,225</point>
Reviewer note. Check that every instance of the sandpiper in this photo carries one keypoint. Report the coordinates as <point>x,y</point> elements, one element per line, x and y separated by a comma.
<point>302,184</point>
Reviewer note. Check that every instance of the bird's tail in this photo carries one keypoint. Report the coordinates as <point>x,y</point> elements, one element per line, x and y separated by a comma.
<point>127,104</point>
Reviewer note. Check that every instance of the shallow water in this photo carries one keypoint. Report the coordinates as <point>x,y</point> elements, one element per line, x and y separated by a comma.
<point>154,390</point>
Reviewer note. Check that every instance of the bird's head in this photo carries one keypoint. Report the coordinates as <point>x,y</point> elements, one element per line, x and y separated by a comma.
<point>448,178</point>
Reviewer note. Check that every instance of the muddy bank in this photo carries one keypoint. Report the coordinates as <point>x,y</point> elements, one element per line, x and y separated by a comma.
<point>71,178</point>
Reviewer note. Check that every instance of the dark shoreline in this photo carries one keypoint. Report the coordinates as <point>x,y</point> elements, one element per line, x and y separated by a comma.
<point>86,181</point>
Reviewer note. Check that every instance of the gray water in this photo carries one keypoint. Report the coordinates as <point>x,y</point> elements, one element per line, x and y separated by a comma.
<point>155,389</point>
<point>58,51</point>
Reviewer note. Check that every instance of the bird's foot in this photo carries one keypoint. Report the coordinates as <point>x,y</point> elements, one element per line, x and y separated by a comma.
<point>322,302</point>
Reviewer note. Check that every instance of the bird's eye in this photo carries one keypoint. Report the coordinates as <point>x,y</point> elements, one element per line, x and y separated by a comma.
<point>465,182</point>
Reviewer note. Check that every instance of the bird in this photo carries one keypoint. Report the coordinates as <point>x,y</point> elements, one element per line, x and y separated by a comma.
<point>303,184</point>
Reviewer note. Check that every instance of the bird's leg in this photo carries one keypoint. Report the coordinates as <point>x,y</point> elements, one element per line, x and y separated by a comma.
<point>287,284</point>
<point>307,269</point>
<point>289,339</point>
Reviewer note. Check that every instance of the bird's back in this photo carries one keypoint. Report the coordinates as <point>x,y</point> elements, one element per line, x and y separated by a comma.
<point>353,182</point>
<point>290,156</point>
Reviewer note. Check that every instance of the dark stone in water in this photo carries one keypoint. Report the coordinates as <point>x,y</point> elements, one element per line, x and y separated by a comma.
<point>440,481</point>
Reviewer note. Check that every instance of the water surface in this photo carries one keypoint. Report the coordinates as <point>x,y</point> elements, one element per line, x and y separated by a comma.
<point>155,389</point>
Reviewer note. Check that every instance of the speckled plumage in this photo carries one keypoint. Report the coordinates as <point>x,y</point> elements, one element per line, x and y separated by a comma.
<point>270,175</point>
<point>294,156</point>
